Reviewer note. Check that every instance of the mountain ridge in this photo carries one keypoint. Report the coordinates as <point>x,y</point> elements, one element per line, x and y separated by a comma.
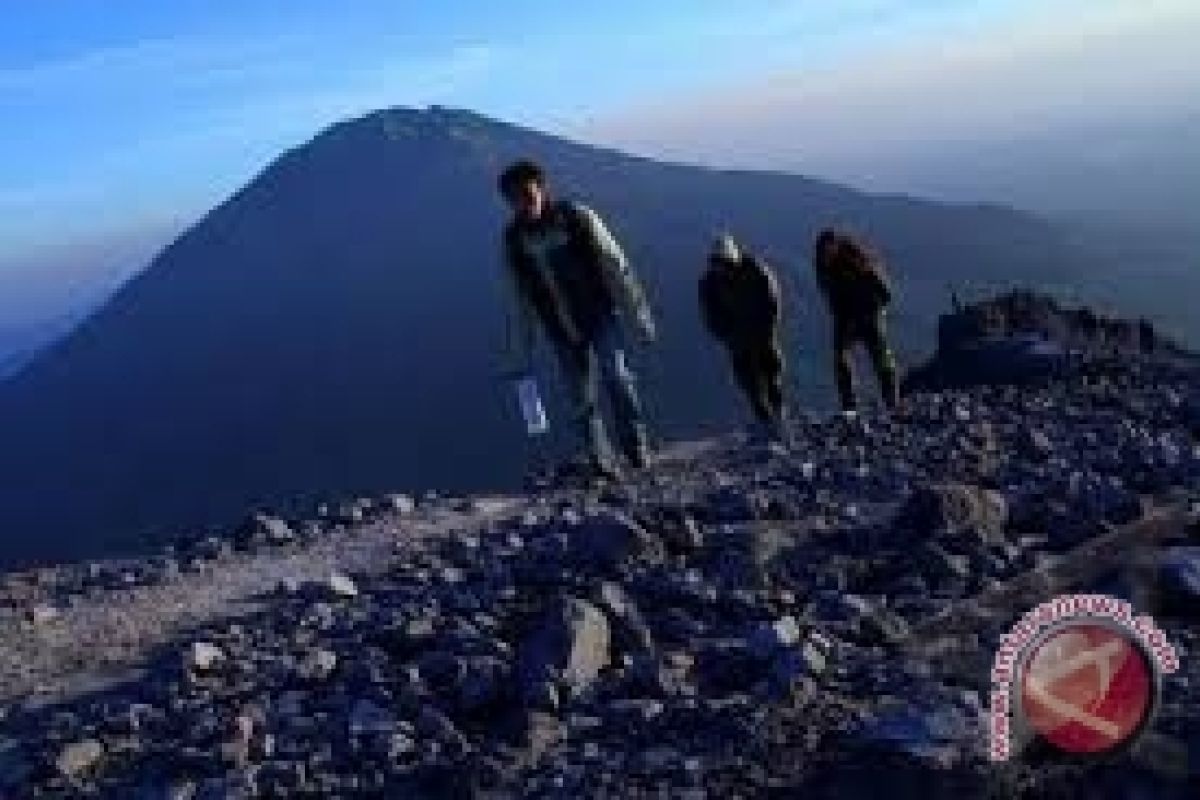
<point>330,327</point>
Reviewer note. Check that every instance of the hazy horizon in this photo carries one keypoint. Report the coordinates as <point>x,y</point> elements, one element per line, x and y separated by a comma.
<point>138,121</point>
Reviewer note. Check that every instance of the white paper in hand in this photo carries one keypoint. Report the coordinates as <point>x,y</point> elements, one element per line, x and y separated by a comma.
<point>533,411</point>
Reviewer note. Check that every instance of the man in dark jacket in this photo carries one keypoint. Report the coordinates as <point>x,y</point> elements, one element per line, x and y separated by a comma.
<point>858,293</point>
<point>739,302</point>
<point>567,272</point>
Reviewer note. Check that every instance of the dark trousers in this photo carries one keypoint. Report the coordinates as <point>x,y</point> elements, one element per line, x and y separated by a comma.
<point>758,368</point>
<point>869,330</point>
<point>600,364</point>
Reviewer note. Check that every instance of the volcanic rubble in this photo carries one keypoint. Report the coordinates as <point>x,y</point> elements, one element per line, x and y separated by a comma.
<point>740,620</point>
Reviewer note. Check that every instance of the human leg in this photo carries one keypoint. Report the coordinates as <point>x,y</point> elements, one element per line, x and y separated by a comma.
<point>843,368</point>
<point>883,360</point>
<point>578,366</point>
<point>621,386</point>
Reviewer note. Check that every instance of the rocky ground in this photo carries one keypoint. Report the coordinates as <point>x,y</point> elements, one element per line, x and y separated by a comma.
<point>815,620</point>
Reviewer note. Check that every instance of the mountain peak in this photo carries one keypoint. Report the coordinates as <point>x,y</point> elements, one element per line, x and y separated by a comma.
<point>402,122</point>
<point>331,328</point>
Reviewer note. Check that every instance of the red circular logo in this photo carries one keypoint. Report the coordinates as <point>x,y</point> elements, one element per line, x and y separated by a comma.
<point>1087,688</point>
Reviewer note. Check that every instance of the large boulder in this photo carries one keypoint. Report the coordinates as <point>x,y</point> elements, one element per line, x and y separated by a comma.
<point>566,650</point>
<point>77,758</point>
<point>609,539</point>
<point>954,512</point>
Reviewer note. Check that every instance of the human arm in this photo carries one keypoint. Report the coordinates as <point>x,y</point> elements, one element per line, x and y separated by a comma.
<point>626,289</point>
<point>773,297</point>
<point>884,284</point>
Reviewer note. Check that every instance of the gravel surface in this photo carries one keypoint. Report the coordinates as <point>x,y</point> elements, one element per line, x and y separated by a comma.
<point>816,619</point>
<point>105,635</point>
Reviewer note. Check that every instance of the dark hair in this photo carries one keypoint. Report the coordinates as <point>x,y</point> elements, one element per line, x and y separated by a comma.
<point>827,237</point>
<point>845,246</point>
<point>518,174</point>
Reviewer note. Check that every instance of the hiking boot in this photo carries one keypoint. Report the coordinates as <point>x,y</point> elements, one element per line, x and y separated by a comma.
<point>635,446</point>
<point>638,457</point>
<point>764,433</point>
<point>601,472</point>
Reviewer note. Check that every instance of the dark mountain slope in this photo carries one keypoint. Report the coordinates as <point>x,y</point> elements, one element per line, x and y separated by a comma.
<point>332,327</point>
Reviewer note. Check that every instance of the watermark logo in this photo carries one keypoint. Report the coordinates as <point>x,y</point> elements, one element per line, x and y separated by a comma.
<point>1087,688</point>
<point>1081,673</point>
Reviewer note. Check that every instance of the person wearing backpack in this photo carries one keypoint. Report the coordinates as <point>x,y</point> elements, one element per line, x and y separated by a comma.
<point>858,293</point>
<point>568,275</point>
<point>740,306</point>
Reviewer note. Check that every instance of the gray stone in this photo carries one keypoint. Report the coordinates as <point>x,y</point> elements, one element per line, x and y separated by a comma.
<point>1039,444</point>
<point>77,758</point>
<point>367,719</point>
<point>203,656</point>
<point>212,548</point>
<point>571,644</point>
<point>264,527</point>
<point>289,586</point>
<point>953,510</point>
<point>341,586</point>
<point>541,733</point>
<point>400,503</point>
<point>353,512</point>
<point>317,665</point>
<point>43,613</point>
<point>882,626</point>
<point>813,655</point>
<point>767,638</point>
<point>609,539</point>
<point>636,712</point>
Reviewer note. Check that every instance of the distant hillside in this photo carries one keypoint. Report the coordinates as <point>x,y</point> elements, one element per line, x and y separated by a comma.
<point>21,343</point>
<point>332,327</point>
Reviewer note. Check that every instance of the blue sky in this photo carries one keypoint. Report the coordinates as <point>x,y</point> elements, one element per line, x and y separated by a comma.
<point>142,111</point>
<point>125,120</point>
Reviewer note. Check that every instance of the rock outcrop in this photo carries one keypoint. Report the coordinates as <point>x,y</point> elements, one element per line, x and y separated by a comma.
<point>1025,336</point>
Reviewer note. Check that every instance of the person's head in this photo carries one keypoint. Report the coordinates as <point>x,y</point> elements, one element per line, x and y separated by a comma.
<point>828,242</point>
<point>523,186</point>
<point>844,247</point>
<point>725,251</point>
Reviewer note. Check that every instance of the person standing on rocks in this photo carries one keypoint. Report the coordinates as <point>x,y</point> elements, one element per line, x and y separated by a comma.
<point>567,273</point>
<point>858,293</point>
<point>740,305</point>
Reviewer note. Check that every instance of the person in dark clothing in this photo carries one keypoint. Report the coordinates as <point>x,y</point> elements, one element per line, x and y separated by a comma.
<point>739,302</point>
<point>566,272</point>
<point>858,293</point>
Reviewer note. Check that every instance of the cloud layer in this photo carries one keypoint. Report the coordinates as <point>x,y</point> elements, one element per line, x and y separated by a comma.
<point>1071,65</point>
